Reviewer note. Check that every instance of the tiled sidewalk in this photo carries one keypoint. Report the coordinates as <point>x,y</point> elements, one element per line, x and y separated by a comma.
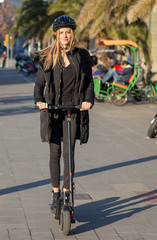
<point>117,168</point>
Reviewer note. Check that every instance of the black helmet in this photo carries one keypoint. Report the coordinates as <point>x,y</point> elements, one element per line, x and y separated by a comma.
<point>64,21</point>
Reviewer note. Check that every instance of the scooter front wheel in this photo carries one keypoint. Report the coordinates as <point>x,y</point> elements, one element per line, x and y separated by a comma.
<point>65,221</point>
<point>152,131</point>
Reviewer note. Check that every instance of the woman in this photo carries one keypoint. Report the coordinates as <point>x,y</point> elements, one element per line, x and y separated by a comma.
<point>64,78</point>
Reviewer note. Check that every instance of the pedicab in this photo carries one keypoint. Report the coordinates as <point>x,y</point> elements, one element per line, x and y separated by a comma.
<point>102,91</point>
<point>119,93</point>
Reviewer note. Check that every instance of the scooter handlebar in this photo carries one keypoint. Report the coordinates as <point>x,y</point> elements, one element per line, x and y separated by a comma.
<point>59,107</point>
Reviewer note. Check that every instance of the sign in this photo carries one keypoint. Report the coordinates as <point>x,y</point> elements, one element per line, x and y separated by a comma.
<point>6,40</point>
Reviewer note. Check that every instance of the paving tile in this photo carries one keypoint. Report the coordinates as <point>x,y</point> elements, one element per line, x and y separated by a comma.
<point>149,237</point>
<point>130,236</point>
<point>19,234</point>
<point>4,235</point>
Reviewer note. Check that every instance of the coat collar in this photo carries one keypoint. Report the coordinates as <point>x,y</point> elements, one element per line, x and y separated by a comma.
<point>71,51</point>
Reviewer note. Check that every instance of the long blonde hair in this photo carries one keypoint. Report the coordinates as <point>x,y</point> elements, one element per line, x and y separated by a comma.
<point>51,55</point>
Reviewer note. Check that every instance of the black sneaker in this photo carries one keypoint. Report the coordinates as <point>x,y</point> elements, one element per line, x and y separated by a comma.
<point>55,196</point>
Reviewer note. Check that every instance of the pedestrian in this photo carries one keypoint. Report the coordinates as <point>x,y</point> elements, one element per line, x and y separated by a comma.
<point>65,76</point>
<point>4,57</point>
<point>111,62</point>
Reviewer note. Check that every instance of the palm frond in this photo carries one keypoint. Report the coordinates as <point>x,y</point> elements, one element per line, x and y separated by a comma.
<point>97,26</point>
<point>48,35</point>
<point>88,13</point>
<point>140,9</point>
<point>57,6</point>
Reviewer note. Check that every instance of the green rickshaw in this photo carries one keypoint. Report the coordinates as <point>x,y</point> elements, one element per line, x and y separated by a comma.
<point>137,87</point>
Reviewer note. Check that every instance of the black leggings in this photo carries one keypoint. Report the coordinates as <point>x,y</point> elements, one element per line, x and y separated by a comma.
<point>60,129</point>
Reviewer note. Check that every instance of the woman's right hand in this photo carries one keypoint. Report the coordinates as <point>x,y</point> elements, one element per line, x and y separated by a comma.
<point>42,105</point>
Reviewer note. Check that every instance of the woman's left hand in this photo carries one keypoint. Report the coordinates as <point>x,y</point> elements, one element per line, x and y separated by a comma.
<point>86,106</point>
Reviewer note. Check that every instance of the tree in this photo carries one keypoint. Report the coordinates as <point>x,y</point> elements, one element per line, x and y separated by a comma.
<point>68,7</point>
<point>35,18</point>
<point>7,10</point>
<point>96,15</point>
<point>142,9</point>
<point>32,19</point>
<point>108,19</point>
<point>95,18</point>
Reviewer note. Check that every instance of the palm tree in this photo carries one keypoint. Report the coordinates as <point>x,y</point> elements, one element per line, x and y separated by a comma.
<point>142,10</point>
<point>32,19</point>
<point>108,19</point>
<point>69,7</point>
<point>35,18</point>
<point>97,14</point>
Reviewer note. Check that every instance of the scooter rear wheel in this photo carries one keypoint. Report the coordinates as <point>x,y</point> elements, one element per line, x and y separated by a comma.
<point>152,131</point>
<point>65,221</point>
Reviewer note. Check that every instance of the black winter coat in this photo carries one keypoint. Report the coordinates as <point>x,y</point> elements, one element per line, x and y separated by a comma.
<point>47,89</point>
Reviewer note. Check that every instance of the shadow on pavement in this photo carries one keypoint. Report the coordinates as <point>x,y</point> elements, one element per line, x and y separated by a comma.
<point>101,213</point>
<point>26,186</point>
<point>14,100</point>
<point>11,110</point>
<point>114,166</point>
<point>12,77</point>
<point>15,111</point>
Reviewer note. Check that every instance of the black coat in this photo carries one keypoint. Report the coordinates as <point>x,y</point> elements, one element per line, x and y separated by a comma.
<point>47,88</point>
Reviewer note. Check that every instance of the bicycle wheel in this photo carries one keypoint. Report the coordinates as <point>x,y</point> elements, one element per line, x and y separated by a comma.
<point>152,131</point>
<point>99,99</point>
<point>65,221</point>
<point>152,98</point>
<point>118,97</point>
<point>139,95</point>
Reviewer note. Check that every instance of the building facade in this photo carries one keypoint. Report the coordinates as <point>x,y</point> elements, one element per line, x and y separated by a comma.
<point>16,2</point>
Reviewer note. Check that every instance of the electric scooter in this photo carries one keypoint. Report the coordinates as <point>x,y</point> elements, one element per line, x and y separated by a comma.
<point>65,204</point>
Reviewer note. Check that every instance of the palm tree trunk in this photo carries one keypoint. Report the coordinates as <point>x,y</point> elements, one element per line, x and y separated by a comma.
<point>153,29</point>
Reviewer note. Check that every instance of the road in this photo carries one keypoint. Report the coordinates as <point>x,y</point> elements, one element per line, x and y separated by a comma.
<point>115,176</point>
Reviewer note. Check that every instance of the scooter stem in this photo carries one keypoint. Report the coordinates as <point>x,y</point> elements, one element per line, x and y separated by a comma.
<point>69,149</point>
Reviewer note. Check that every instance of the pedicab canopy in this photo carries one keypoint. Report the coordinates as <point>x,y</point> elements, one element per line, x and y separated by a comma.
<point>117,43</point>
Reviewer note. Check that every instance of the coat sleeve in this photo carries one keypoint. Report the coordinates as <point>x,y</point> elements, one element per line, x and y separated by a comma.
<point>39,87</point>
<point>88,81</point>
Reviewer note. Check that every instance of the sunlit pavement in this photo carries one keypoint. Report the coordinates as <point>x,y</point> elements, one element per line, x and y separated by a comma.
<point>115,179</point>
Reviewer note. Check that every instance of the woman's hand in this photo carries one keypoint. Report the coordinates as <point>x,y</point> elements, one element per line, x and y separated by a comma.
<point>86,106</point>
<point>42,105</point>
